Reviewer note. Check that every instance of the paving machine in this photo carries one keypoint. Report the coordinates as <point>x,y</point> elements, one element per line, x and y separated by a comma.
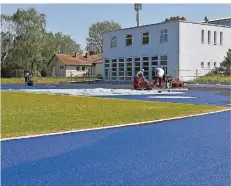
<point>166,83</point>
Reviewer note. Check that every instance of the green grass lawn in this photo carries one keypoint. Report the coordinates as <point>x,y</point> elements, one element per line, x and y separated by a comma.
<point>43,80</point>
<point>213,79</point>
<point>27,114</point>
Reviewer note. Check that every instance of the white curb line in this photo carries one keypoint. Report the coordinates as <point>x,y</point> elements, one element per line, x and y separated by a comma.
<point>114,126</point>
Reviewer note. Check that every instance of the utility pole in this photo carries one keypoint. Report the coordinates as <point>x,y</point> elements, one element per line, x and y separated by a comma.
<point>137,8</point>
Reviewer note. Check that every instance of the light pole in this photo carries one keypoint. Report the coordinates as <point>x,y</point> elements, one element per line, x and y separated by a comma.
<point>137,8</point>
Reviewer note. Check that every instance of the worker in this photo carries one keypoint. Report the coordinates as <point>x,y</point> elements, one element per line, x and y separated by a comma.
<point>27,78</point>
<point>160,74</point>
<point>140,75</point>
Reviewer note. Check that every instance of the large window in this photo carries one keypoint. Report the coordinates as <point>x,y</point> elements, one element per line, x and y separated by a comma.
<point>202,36</point>
<point>164,63</point>
<point>121,68</point>
<point>164,36</point>
<point>107,69</point>
<point>145,38</point>
<point>137,64</point>
<point>209,37</point>
<point>114,69</point>
<point>129,69</point>
<point>221,38</point>
<point>202,64</point>
<point>155,61</point>
<point>208,64</point>
<point>215,64</point>
<point>114,42</point>
<point>129,40</point>
<point>154,65</point>
<point>215,37</point>
<point>146,66</point>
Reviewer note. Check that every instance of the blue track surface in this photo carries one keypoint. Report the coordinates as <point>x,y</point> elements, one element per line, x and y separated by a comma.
<point>193,151</point>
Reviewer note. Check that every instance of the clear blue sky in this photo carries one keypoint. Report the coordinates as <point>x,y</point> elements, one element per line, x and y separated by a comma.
<point>75,19</point>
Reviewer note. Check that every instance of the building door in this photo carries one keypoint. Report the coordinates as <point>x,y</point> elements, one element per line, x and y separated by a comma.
<point>53,71</point>
<point>107,74</point>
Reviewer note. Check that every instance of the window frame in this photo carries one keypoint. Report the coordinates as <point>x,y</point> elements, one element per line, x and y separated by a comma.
<point>163,32</point>
<point>209,36</point>
<point>126,40</point>
<point>221,38</point>
<point>145,37</point>
<point>202,36</point>
<point>202,64</point>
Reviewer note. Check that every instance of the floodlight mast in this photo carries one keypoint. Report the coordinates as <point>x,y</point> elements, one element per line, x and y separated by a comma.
<point>137,8</point>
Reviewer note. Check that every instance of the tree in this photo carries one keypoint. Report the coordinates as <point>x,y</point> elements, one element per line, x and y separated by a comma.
<point>226,63</point>
<point>26,44</point>
<point>172,19</point>
<point>225,67</point>
<point>95,35</point>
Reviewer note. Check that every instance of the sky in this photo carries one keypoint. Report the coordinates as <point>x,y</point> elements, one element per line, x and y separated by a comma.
<point>75,19</point>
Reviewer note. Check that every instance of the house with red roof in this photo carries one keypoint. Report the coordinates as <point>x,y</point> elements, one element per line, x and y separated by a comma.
<point>76,65</point>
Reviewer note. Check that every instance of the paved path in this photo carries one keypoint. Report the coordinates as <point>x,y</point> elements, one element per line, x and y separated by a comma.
<point>193,151</point>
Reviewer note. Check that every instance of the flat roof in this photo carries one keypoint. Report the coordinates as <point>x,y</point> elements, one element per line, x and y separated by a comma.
<point>200,23</point>
<point>219,19</point>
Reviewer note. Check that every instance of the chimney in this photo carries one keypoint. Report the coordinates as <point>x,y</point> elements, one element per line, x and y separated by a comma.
<point>206,19</point>
<point>86,55</point>
<point>75,54</point>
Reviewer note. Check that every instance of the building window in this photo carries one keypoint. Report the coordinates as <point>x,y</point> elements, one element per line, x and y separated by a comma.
<point>221,38</point>
<point>164,63</point>
<point>202,64</point>
<point>146,66</point>
<point>83,68</point>
<point>215,37</point>
<point>129,69</point>
<point>155,61</point>
<point>78,68</point>
<point>202,36</point>
<point>114,42</point>
<point>208,64</point>
<point>215,64</point>
<point>145,38</point>
<point>209,37</point>
<point>164,36</point>
<point>163,60</point>
<point>137,64</point>
<point>61,67</point>
<point>107,69</point>
<point>114,69</point>
<point>129,40</point>
<point>121,68</point>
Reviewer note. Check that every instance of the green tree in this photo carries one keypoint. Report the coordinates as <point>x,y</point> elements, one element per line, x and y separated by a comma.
<point>172,19</point>
<point>225,67</point>
<point>95,35</point>
<point>226,63</point>
<point>26,44</point>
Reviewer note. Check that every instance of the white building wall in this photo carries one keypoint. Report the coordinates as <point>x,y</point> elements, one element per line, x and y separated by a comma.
<point>193,51</point>
<point>137,49</point>
<point>71,71</point>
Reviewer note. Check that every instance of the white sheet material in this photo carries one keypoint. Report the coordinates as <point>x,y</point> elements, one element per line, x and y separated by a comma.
<point>172,97</point>
<point>97,92</point>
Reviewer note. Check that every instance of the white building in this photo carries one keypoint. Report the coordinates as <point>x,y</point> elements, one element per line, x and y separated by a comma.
<point>184,49</point>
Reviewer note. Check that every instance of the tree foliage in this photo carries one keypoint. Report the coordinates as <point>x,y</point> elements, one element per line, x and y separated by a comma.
<point>172,19</point>
<point>26,45</point>
<point>95,35</point>
<point>225,67</point>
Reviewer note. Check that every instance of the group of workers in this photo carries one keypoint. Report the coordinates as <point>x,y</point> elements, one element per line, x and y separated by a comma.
<point>160,76</point>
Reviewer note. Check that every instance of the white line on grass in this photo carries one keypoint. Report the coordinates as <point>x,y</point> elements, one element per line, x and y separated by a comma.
<point>113,126</point>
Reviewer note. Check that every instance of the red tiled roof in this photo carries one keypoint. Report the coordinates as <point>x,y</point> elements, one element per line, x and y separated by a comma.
<point>68,59</point>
